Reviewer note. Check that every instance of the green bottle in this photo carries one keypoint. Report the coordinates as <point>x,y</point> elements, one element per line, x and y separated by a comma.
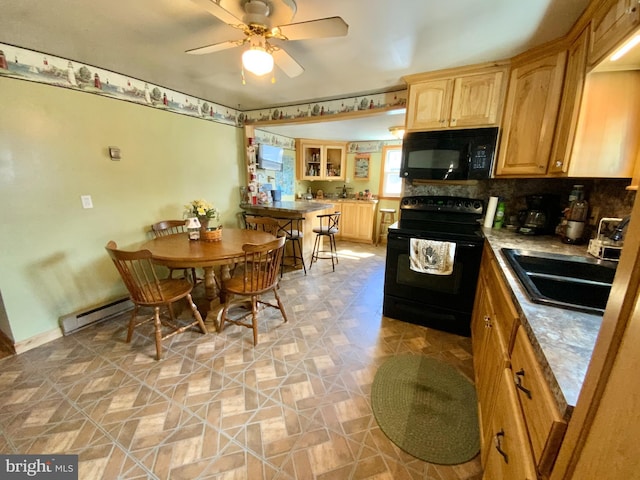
<point>499,219</point>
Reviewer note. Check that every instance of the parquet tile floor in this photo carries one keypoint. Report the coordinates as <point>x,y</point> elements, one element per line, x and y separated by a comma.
<point>296,406</point>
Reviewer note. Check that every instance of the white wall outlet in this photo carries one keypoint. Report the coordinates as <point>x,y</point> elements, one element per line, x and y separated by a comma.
<point>86,201</point>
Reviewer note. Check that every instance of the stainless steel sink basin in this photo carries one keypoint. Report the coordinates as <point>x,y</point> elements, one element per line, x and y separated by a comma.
<point>566,281</point>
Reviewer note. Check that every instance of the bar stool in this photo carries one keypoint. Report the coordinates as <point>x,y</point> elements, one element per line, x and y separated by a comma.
<point>387,217</point>
<point>328,228</point>
<point>292,231</point>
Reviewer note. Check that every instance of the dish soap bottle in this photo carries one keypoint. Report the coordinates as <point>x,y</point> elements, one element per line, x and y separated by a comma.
<point>499,218</point>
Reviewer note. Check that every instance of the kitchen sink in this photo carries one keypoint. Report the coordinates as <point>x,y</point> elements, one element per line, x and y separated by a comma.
<point>566,281</point>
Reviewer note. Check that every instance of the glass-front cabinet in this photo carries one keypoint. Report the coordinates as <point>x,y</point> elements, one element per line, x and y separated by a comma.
<point>319,160</point>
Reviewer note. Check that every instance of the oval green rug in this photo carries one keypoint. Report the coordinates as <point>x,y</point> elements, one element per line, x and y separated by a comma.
<point>427,408</point>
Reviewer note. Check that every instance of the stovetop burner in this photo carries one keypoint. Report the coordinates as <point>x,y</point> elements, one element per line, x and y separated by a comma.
<point>444,204</point>
<point>440,214</point>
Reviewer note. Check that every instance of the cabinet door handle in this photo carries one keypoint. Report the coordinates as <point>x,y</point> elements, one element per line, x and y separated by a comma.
<point>558,163</point>
<point>517,378</point>
<point>487,321</point>
<point>498,443</point>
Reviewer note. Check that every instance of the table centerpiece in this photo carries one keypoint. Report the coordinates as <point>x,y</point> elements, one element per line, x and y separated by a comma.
<point>209,218</point>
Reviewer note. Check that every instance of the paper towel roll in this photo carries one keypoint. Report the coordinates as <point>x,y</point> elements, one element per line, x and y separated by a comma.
<point>491,212</point>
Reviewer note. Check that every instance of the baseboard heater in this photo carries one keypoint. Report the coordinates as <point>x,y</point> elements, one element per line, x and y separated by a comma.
<point>77,320</point>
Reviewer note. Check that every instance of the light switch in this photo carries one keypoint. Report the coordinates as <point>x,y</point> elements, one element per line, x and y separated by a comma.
<point>114,153</point>
<point>86,201</point>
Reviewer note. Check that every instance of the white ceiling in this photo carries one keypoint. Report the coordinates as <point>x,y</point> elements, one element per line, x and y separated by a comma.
<point>146,39</point>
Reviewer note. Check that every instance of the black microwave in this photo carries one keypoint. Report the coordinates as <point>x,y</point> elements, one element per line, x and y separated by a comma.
<point>449,154</point>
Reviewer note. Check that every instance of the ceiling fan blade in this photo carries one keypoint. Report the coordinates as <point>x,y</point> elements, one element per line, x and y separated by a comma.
<point>321,28</point>
<point>286,63</point>
<point>216,47</point>
<point>226,15</point>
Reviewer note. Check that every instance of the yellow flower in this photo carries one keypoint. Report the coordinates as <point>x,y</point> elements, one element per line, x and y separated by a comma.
<point>202,208</point>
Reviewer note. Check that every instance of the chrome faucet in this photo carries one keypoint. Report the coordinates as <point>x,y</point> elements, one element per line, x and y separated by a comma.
<point>618,233</point>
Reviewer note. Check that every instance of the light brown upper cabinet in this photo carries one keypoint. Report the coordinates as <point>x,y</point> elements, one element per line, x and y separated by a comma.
<point>608,131</point>
<point>613,21</point>
<point>635,179</point>
<point>321,160</point>
<point>456,98</point>
<point>531,110</point>
<point>599,121</point>
<point>570,105</point>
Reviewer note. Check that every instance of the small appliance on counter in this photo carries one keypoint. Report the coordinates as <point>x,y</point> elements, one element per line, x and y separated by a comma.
<point>575,219</point>
<point>540,216</point>
<point>603,246</point>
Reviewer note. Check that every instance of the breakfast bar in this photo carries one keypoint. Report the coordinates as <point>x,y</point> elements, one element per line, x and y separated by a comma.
<point>285,211</point>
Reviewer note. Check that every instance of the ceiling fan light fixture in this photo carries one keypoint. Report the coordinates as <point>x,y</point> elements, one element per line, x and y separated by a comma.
<point>256,59</point>
<point>397,132</point>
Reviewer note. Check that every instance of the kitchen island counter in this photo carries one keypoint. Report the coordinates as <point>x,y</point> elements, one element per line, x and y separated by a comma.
<point>298,207</point>
<point>285,211</point>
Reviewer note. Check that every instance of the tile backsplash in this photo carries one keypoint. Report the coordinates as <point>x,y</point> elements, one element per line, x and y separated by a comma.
<point>608,195</point>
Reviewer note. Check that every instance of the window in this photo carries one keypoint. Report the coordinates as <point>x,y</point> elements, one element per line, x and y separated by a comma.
<point>391,183</point>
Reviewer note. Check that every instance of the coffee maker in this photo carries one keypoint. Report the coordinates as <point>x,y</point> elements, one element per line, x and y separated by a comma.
<point>540,216</point>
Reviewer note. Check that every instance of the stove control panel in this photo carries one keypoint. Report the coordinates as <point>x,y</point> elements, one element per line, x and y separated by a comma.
<point>440,203</point>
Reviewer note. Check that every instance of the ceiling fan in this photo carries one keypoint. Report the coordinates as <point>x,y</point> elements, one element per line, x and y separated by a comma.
<point>261,21</point>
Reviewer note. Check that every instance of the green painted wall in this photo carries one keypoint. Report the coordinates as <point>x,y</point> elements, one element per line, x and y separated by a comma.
<point>53,149</point>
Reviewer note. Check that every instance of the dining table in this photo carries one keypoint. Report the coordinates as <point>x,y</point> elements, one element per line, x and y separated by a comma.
<point>178,251</point>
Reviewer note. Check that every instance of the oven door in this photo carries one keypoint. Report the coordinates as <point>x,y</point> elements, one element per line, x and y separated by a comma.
<point>444,302</point>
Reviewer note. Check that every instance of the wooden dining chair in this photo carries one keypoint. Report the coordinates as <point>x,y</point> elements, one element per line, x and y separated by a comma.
<point>259,276</point>
<point>146,290</point>
<point>171,227</point>
<point>264,224</point>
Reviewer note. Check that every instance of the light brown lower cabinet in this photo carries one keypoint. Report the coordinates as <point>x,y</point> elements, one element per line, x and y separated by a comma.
<point>492,323</point>
<point>544,423</point>
<point>509,453</point>
<point>356,221</point>
<point>521,428</point>
<point>490,358</point>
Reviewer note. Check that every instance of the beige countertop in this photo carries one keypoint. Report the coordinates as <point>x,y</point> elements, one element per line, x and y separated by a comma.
<point>339,200</point>
<point>562,339</point>
<point>299,206</point>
